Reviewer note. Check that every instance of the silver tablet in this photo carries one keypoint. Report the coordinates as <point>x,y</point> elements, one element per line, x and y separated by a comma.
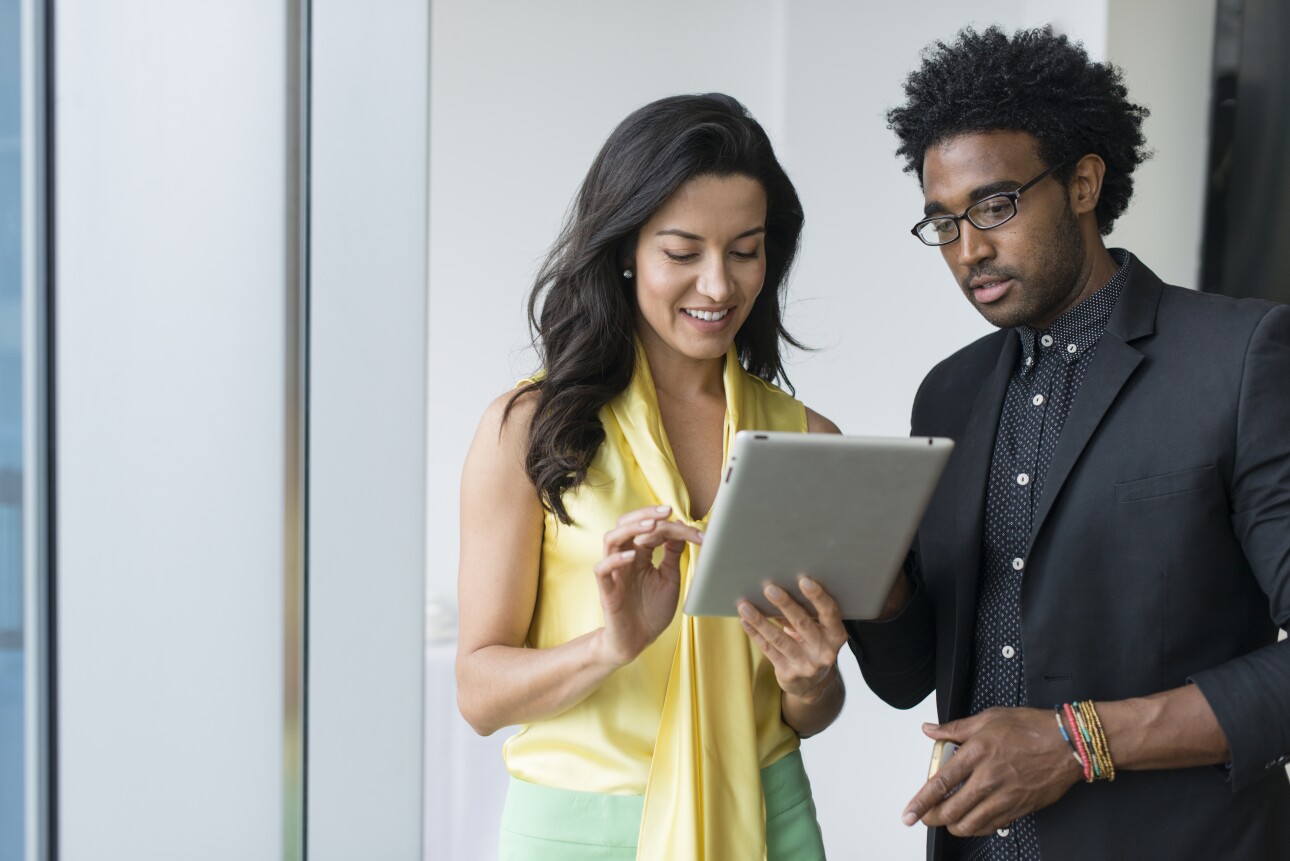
<point>840,509</point>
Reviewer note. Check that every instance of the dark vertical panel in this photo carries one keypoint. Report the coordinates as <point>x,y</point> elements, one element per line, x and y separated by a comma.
<point>1247,218</point>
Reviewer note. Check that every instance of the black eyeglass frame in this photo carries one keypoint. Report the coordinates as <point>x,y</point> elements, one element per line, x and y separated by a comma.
<point>1011,196</point>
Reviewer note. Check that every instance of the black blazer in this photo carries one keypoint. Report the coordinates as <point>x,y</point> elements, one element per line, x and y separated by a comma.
<point>1160,556</point>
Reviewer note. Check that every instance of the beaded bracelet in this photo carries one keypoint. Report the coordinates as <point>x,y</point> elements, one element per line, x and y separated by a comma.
<point>1086,738</point>
<point>1057,713</point>
<point>1101,749</point>
<point>1084,758</point>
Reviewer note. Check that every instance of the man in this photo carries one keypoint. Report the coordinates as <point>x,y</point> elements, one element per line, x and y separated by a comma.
<point>1095,590</point>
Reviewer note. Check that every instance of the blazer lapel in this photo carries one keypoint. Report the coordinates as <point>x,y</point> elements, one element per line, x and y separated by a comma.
<point>1114,362</point>
<point>971,480</point>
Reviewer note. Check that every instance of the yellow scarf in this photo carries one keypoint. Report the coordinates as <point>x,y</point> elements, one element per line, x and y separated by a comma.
<point>703,800</point>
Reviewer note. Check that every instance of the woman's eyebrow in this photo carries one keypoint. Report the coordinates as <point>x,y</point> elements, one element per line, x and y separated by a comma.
<point>685,234</point>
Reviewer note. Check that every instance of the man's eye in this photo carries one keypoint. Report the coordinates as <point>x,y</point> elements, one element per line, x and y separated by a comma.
<point>993,209</point>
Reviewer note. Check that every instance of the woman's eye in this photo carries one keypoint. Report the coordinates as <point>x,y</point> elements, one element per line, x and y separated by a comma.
<point>746,255</point>
<point>679,256</point>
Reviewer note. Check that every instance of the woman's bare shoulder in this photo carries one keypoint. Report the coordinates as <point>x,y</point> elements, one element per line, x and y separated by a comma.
<point>508,415</point>
<point>816,423</point>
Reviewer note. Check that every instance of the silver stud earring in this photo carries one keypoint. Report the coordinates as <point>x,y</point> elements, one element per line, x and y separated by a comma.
<point>627,273</point>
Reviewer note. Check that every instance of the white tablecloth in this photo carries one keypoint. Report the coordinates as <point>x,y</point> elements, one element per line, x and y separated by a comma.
<point>465,777</point>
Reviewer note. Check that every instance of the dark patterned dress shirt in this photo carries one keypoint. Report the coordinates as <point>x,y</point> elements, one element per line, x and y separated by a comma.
<point>1040,393</point>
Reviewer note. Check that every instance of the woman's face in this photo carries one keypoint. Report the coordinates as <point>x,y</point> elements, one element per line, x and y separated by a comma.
<point>700,263</point>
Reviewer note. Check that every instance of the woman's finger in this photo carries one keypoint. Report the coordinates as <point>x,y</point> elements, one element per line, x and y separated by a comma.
<point>662,531</point>
<point>792,632</point>
<point>827,612</point>
<point>620,537</point>
<point>769,636</point>
<point>653,512</point>
<point>670,564</point>
<point>794,613</point>
<point>774,655</point>
<point>619,561</point>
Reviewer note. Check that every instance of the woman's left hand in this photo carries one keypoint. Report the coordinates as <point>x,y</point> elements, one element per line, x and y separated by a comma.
<point>802,648</point>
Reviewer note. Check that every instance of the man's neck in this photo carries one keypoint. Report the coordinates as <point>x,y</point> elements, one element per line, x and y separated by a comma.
<point>1103,270</point>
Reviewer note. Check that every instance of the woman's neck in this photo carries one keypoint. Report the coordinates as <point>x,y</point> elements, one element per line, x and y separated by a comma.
<point>683,378</point>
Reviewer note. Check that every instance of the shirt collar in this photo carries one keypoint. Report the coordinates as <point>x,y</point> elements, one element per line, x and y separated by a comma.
<point>1078,329</point>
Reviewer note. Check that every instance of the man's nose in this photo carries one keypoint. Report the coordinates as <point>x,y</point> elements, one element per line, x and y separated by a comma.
<point>974,244</point>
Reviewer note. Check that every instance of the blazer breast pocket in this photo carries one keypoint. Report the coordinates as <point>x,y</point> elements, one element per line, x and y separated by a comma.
<point>1166,484</point>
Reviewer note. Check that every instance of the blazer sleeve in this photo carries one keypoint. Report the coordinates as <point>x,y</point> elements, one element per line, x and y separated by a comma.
<point>1250,695</point>
<point>897,657</point>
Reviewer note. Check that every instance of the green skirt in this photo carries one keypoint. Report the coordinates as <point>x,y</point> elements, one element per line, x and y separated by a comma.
<point>544,824</point>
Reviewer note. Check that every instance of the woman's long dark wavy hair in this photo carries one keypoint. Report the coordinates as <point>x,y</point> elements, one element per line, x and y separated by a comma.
<point>584,329</point>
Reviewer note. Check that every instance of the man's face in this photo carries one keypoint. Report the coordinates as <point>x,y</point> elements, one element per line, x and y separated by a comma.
<point>1026,271</point>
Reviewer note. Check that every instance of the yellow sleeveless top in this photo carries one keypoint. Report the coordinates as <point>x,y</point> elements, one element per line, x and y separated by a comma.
<point>691,722</point>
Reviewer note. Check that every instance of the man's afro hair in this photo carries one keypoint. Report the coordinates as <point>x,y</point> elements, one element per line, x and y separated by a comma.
<point>1037,82</point>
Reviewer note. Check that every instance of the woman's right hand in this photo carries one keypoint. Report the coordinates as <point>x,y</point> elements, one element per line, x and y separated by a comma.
<point>639,599</point>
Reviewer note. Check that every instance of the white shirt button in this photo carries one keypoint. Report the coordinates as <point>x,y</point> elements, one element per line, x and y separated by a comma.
<point>1046,340</point>
<point>1003,832</point>
<point>1037,400</point>
<point>1030,360</point>
<point>1018,564</point>
<point>1008,652</point>
<point>1071,348</point>
<point>1023,479</point>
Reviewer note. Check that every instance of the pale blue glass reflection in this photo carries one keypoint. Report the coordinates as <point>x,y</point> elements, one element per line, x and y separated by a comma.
<point>11,569</point>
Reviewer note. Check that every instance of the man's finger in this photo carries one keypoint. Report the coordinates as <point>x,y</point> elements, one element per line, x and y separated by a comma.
<point>955,730</point>
<point>965,799</point>
<point>932,794</point>
<point>936,789</point>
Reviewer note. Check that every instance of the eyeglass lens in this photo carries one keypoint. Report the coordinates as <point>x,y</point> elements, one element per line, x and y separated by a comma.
<point>985,214</point>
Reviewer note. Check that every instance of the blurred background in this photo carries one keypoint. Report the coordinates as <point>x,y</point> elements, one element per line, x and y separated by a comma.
<point>262,264</point>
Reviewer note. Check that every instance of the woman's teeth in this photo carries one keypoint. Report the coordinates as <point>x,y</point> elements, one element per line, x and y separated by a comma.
<point>707,315</point>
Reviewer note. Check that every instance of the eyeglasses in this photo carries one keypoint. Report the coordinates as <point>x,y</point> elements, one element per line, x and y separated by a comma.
<point>986,214</point>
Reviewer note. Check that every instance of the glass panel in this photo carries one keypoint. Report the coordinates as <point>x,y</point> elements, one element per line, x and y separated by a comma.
<point>12,691</point>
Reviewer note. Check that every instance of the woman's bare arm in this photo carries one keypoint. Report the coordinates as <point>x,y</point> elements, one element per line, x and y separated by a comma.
<point>500,681</point>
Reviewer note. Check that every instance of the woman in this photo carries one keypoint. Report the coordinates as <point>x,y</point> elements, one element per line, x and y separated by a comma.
<point>646,733</point>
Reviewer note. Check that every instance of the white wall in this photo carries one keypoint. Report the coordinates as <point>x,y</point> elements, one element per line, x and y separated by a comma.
<point>367,428</point>
<point>172,243</point>
<point>1169,73</point>
<point>177,234</point>
<point>518,111</point>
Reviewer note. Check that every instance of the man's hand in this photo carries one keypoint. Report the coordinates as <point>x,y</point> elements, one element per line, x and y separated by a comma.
<point>1010,762</point>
